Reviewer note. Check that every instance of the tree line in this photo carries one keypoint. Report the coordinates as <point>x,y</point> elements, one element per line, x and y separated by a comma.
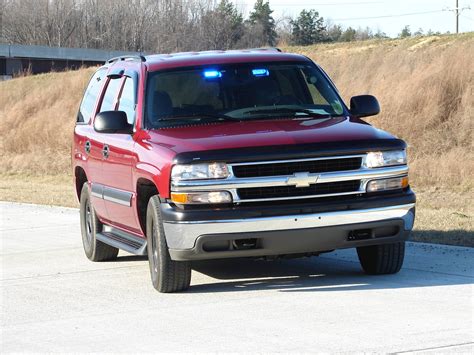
<point>163,25</point>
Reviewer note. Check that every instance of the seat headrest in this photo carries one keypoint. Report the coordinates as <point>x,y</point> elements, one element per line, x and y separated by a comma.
<point>162,104</point>
<point>265,91</point>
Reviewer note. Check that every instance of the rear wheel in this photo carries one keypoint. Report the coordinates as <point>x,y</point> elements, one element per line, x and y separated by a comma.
<point>94,249</point>
<point>166,275</point>
<point>382,259</point>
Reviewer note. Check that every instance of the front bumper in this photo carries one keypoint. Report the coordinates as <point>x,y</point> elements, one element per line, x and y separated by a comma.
<point>286,234</point>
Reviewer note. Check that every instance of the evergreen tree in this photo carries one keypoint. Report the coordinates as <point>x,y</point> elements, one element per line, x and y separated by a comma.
<point>418,33</point>
<point>348,35</point>
<point>261,19</point>
<point>405,32</point>
<point>222,27</point>
<point>228,12</point>
<point>380,35</point>
<point>308,28</point>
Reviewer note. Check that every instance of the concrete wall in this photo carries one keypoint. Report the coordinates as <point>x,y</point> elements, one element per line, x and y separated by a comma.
<point>15,59</point>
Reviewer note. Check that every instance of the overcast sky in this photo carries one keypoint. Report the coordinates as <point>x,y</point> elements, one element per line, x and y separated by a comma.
<point>355,13</point>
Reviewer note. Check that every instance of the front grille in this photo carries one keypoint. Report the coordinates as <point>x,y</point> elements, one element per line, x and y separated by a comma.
<point>289,168</point>
<point>292,191</point>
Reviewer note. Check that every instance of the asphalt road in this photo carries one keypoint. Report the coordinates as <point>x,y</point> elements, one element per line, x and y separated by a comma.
<point>55,300</point>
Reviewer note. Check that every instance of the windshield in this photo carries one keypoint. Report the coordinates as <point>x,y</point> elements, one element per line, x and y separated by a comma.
<point>240,92</point>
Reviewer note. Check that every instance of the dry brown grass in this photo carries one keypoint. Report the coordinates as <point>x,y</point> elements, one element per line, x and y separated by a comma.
<point>37,115</point>
<point>445,217</point>
<point>425,87</point>
<point>44,190</point>
<point>426,90</point>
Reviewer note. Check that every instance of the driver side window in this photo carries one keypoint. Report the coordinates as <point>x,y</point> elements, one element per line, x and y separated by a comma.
<point>109,100</point>
<point>127,100</point>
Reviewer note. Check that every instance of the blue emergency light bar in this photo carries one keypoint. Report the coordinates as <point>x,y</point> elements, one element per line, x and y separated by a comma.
<point>260,72</point>
<point>212,74</point>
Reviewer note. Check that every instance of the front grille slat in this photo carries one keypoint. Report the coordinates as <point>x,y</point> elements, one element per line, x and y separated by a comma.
<point>289,168</point>
<point>293,191</point>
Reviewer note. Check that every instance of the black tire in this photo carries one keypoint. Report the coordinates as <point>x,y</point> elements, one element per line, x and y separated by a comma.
<point>382,259</point>
<point>166,275</point>
<point>94,249</point>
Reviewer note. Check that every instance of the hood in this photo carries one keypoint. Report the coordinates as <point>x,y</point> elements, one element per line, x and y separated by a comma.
<point>260,133</point>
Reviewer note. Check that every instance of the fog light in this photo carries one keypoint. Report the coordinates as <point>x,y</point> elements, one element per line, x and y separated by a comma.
<point>387,184</point>
<point>201,197</point>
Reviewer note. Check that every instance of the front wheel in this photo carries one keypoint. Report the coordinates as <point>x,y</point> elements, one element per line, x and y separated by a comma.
<point>94,249</point>
<point>166,275</point>
<point>382,259</point>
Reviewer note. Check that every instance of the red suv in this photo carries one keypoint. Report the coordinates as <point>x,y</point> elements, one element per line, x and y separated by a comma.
<point>234,154</point>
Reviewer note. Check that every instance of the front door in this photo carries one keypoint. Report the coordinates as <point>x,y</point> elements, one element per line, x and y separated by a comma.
<point>118,158</point>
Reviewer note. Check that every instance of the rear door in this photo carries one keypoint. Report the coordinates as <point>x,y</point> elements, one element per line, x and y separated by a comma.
<point>88,147</point>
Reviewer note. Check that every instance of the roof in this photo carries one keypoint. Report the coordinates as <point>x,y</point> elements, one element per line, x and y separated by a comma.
<point>165,61</point>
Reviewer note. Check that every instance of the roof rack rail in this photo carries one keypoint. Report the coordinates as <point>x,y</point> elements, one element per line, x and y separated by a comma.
<point>140,58</point>
<point>276,49</point>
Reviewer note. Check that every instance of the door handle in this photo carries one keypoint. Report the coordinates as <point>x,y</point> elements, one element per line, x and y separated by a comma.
<point>87,147</point>
<point>105,151</point>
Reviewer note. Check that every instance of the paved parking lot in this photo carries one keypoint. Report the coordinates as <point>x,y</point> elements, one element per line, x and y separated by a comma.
<point>54,300</point>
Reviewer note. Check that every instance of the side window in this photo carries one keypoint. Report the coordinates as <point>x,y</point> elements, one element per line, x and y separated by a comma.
<point>108,102</point>
<point>127,100</point>
<point>90,96</point>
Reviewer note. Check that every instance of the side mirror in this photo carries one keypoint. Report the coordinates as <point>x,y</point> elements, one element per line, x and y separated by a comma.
<point>112,122</point>
<point>364,105</point>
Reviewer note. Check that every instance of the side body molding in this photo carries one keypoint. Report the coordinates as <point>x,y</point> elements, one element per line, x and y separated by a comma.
<point>111,194</point>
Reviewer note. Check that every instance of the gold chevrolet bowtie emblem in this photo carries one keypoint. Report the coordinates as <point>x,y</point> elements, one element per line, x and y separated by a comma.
<point>302,179</point>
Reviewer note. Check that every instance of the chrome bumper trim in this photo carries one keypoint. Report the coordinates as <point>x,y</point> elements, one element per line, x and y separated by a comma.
<point>269,181</point>
<point>232,183</point>
<point>183,235</point>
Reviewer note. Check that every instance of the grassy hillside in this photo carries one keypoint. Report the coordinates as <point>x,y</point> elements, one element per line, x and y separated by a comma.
<point>426,90</point>
<point>37,115</point>
<point>425,87</point>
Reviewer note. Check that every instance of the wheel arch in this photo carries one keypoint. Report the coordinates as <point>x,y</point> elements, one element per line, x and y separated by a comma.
<point>145,189</point>
<point>80,177</point>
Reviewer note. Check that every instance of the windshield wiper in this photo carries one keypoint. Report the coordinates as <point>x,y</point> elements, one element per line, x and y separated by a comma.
<point>294,111</point>
<point>199,116</point>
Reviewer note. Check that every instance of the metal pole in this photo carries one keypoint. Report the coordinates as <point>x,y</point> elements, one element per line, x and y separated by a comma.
<point>457,16</point>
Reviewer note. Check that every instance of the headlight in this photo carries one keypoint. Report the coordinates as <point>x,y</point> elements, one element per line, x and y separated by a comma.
<point>200,171</point>
<point>380,159</point>
<point>201,197</point>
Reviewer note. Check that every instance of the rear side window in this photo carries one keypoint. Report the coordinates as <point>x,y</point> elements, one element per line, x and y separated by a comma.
<point>108,103</point>
<point>90,96</point>
<point>127,100</point>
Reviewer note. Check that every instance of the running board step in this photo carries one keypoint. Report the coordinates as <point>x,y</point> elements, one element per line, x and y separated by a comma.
<point>122,240</point>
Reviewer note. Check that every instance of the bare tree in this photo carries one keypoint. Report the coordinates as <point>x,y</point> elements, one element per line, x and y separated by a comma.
<point>147,25</point>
